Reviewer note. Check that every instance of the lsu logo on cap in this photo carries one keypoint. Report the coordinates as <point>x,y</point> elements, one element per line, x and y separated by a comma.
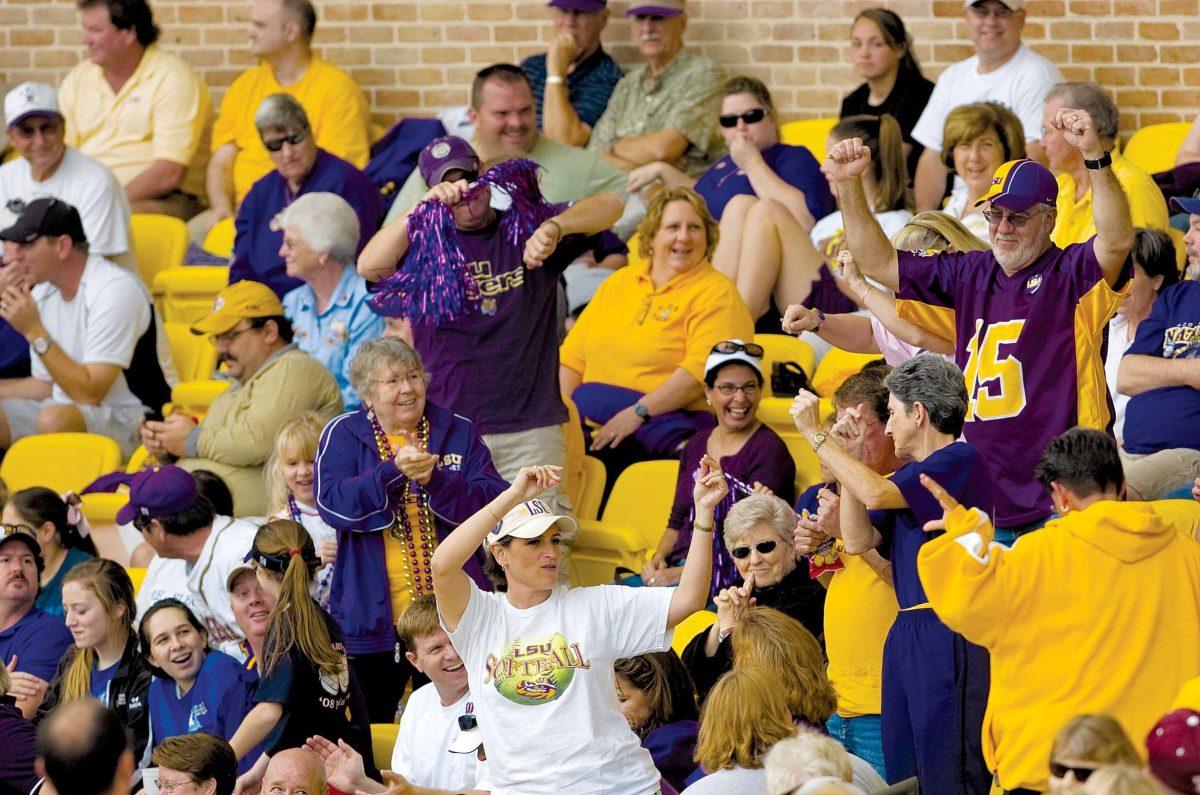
<point>531,508</point>
<point>440,150</point>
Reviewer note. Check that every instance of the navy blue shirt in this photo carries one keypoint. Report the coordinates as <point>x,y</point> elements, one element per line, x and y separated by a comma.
<point>39,640</point>
<point>256,246</point>
<point>795,165</point>
<point>589,85</point>
<point>958,468</point>
<point>216,703</point>
<point>13,347</point>
<point>18,738</point>
<point>1167,417</point>
<point>101,679</point>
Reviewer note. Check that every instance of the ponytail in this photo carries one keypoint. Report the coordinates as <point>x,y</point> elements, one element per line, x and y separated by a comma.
<point>285,549</point>
<point>38,505</point>
<point>112,587</point>
<point>881,134</point>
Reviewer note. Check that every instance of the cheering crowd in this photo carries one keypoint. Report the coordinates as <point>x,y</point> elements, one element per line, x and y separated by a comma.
<point>993,587</point>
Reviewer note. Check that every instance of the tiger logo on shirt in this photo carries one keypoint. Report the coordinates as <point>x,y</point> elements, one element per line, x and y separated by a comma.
<point>535,672</point>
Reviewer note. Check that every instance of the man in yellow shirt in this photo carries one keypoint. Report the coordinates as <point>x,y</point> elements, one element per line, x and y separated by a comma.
<point>1076,616</point>
<point>280,35</point>
<point>1147,207</point>
<point>138,110</point>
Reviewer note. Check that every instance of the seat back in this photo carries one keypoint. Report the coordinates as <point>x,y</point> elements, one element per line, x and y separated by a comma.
<point>642,497</point>
<point>219,240</point>
<point>383,740</point>
<point>809,133</point>
<point>159,242</point>
<point>194,356</point>
<point>1153,148</point>
<point>773,412</point>
<point>187,294</point>
<point>836,366</point>
<point>138,575</point>
<point>591,492</point>
<point>785,348</point>
<point>194,397</point>
<point>690,627</point>
<point>573,474</point>
<point>59,461</point>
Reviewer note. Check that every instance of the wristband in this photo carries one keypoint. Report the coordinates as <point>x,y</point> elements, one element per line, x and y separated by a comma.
<point>703,528</point>
<point>554,80</point>
<point>820,322</point>
<point>1096,165</point>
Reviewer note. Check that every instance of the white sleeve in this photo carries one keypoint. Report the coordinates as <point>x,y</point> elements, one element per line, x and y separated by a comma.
<point>116,317</point>
<point>635,619</point>
<point>1029,96</point>
<point>106,217</point>
<point>929,128</point>
<point>402,756</point>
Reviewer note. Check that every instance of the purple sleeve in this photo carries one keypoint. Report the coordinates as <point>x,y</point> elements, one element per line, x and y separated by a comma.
<point>932,279</point>
<point>357,503</point>
<point>797,167</point>
<point>364,197</point>
<point>958,469</point>
<point>455,496</point>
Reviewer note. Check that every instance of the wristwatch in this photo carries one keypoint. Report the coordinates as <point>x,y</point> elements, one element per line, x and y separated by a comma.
<point>41,345</point>
<point>641,411</point>
<point>819,439</point>
<point>1096,165</point>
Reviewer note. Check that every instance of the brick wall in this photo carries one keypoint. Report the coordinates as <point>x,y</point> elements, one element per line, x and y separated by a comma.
<point>415,56</point>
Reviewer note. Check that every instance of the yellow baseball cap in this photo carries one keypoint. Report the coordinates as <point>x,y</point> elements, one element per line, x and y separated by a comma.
<point>238,302</point>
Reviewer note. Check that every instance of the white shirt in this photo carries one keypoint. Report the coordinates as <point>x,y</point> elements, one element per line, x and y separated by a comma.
<point>1118,343</point>
<point>545,691</point>
<point>1020,84</point>
<point>956,206</point>
<point>82,182</point>
<point>101,324</point>
<point>422,752</point>
<point>832,228</point>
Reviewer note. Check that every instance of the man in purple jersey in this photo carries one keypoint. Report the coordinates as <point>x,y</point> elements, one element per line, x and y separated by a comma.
<point>1028,318</point>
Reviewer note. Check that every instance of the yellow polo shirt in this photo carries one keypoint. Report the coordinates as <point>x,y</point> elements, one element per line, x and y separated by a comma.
<point>161,113</point>
<point>1075,224</point>
<point>860,608</point>
<point>635,335</point>
<point>337,112</point>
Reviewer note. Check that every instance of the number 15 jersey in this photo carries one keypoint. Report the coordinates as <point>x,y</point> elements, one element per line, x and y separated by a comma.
<point>1031,348</point>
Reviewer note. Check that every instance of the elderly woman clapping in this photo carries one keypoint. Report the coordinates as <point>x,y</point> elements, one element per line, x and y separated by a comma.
<point>758,533</point>
<point>394,478</point>
<point>329,312</point>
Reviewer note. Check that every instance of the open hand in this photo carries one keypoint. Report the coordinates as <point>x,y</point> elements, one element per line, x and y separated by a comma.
<point>415,464</point>
<point>343,765</point>
<point>622,424</point>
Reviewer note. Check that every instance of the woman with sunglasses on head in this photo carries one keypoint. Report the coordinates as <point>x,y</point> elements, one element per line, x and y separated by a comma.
<point>751,455</point>
<point>56,523</point>
<point>1085,744</point>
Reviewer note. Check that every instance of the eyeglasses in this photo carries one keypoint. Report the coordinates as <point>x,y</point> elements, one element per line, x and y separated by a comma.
<point>275,144</point>
<point>394,383</point>
<point>228,337</point>
<point>171,786</point>
<point>1018,220</point>
<point>752,116</point>
<point>729,346</point>
<point>1059,770</point>
<point>729,390</point>
<point>999,11</point>
<point>763,547</point>
<point>13,529</point>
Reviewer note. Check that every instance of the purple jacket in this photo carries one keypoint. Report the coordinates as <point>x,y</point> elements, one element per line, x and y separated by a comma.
<point>357,494</point>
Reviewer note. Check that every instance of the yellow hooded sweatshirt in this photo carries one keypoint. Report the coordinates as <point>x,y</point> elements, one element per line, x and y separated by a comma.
<point>1099,611</point>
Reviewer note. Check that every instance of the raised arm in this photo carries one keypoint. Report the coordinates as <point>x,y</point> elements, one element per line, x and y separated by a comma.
<point>383,252</point>
<point>882,305</point>
<point>694,582</point>
<point>847,162</point>
<point>848,332</point>
<point>588,216</point>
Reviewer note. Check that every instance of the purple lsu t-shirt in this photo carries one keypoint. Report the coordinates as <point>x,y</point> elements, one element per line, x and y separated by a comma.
<point>1031,347</point>
<point>498,365</point>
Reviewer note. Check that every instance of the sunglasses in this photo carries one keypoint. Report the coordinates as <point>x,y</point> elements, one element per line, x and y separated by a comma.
<point>753,116</point>
<point>1018,220</point>
<point>275,144</point>
<point>729,346</point>
<point>1059,770</point>
<point>13,529</point>
<point>763,547</point>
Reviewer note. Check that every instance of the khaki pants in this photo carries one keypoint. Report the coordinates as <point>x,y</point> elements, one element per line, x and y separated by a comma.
<point>1152,475</point>
<point>545,445</point>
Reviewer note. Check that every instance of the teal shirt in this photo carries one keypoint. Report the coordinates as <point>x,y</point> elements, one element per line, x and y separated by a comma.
<point>50,597</point>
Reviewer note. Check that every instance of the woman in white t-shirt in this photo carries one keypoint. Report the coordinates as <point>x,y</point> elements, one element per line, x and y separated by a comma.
<point>977,140</point>
<point>540,655</point>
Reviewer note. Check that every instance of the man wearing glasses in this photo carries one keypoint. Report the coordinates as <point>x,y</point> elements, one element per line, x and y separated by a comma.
<point>273,382</point>
<point>1028,318</point>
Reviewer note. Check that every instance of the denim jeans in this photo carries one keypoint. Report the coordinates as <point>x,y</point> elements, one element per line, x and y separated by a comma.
<point>1009,535</point>
<point>861,736</point>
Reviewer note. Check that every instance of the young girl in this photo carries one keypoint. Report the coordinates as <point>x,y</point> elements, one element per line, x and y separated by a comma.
<point>56,525</point>
<point>306,687</point>
<point>104,662</point>
<point>658,699</point>
<point>194,689</point>
<point>290,491</point>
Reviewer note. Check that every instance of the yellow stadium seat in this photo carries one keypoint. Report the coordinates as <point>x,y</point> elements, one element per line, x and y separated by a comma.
<point>101,508</point>
<point>1184,514</point>
<point>810,133</point>
<point>194,355</point>
<point>690,627</point>
<point>186,294</point>
<point>138,575</point>
<point>159,242</point>
<point>773,412</point>
<point>1153,148</point>
<point>194,397</point>
<point>592,491</point>
<point>383,740</point>
<point>785,348</point>
<point>59,461</point>
<point>836,366</point>
<point>576,450</point>
<point>633,522</point>
<point>219,240</point>
<point>139,460</point>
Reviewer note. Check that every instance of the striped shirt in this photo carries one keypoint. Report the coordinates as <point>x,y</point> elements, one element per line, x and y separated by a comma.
<point>589,85</point>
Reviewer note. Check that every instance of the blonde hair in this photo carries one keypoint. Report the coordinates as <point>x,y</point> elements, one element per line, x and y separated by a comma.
<point>768,639</point>
<point>296,621</point>
<point>794,761</point>
<point>968,122</point>
<point>299,436</point>
<point>1094,738</point>
<point>648,228</point>
<point>933,230</point>
<point>743,716</point>
<point>1128,779</point>
<point>112,587</point>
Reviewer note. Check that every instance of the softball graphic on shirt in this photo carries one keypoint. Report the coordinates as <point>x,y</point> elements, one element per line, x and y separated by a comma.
<point>532,672</point>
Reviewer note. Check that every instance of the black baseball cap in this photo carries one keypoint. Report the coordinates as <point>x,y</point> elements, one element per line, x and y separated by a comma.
<point>46,217</point>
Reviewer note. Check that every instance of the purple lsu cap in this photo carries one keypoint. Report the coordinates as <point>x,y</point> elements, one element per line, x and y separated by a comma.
<point>1173,746</point>
<point>655,8</point>
<point>1185,204</point>
<point>159,491</point>
<point>586,6</point>
<point>444,154</point>
<point>1019,184</point>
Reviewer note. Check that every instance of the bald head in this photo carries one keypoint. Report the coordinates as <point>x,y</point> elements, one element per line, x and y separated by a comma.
<point>85,750</point>
<point>296,771</point>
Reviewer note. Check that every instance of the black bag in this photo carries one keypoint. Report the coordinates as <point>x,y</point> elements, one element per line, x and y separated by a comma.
<point>787,378</point>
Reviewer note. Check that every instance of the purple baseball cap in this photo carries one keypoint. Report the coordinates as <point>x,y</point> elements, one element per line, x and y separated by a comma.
<point>1020,184</point>
<point>1174,749</point>
<point>658,8</point>
<point>587,6</point>
<point>444,154</point>
<point>1185,204</point>
<point>158,491</point>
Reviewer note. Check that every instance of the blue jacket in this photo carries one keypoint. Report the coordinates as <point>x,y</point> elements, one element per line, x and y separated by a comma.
<point>357,494</point>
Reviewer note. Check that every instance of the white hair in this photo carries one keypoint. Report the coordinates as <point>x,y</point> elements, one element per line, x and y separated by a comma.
<point>750,512</point>
<point>326,222</point>
<point>806,755</point>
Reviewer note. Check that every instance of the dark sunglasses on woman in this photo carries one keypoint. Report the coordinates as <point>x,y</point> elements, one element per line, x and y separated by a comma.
<point>1059,770</point>
<point>753,116</point>
<point>763,547</point>
<point>729,346</point>
<point>275,144</point>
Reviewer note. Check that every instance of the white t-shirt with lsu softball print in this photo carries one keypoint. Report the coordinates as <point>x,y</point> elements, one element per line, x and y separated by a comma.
<point>542,679</point>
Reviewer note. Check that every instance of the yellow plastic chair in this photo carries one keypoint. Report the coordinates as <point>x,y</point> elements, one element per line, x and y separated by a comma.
<point>383,740</point>
<point>194,397</point>
<point>59,461</point>
<point>773,412</point>
<point>159,242</point>
<point>572,431</point>
<point>785,348</point>
<point>139,460</point>
<point>810,133</point>
<point>836,366</point>
<point>219,240</point>
<point>591,493</point>
<point>138,575</point>
<point>101,508</point>
<point>194,355</point>
<point>690,627</point>
<point>1153,148</point>
<point>186,294</point>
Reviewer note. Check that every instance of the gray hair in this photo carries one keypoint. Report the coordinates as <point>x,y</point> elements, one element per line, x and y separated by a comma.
<point>755,510</point>
<point>805,756</point>
<point>280,112</point>
<point>374,355</point>
<point>326,222</point>
<point>937,385</point>
<point>1094,99</point>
